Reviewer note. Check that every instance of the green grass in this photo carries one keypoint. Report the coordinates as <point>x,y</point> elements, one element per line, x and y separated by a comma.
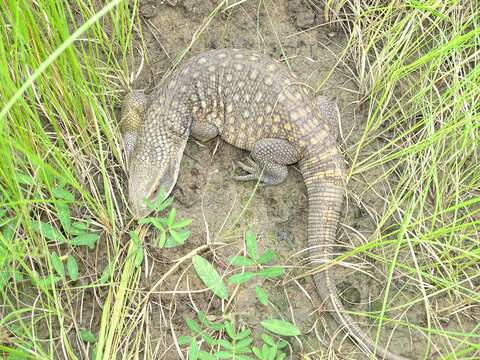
<point>59,89</point>
<point>63,70</point>
<point>417,66</point>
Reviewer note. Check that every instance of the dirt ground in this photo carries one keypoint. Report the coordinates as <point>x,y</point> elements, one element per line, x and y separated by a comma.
<point>222,209</point>
<point>207,193</point>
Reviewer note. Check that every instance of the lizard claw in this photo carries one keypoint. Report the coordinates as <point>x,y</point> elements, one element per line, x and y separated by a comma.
<point>247,177</point>
<point>252,169</point>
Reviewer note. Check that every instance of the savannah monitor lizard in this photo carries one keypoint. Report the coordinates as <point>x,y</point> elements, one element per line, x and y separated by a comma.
<point>255,104</point>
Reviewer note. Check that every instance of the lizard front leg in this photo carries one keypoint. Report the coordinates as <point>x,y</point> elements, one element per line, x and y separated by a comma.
<point>269,160</point>
<point>132,119</point>
<point>329,112</point>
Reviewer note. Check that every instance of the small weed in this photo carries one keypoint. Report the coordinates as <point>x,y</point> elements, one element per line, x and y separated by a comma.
<point>253,260</point>
<point>172,233</point>
<point>73,233</point>
<point>271,349</point>
<point>210,277</point>
<point>226,340</point>
<point>223,339</point>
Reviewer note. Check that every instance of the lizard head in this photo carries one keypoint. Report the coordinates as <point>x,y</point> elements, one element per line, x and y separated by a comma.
<point>154,163</point>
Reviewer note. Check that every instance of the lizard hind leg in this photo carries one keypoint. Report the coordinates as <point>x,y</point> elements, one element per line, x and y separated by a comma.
<point>203,130</point>
<point>269,160</point>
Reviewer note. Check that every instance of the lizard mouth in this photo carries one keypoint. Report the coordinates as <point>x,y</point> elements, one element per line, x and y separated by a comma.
<point>140,191</point>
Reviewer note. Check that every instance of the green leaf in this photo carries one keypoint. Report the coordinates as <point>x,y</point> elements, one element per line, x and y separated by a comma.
<point>217,326</point>
<point>150,205</point>
<point>203,318</point>
<point>164,204</point>
<point>48,231</point>
<point>171,217</point>
<point>270,273</point>
<point>176,238</point>
<point>208,339</point>
<point>270,352</point>
<point>106,274</point>
<point>281,327</point>
<point>49,280</point>
<point>60,193</point>
<point>162,239</point>
<point>243,334</point>
<point>193,350</point>
<point>266,257</point>
<point>230,330</point>
<point>94,352</point>
<point>210,277</point>
<point>161,197</point>
<point>18,354</point>
<point>17,275</point>
<point>251,244</point>
<point>282,344</point>
<point>158,223</point>
<point>170,243</point>
<point>88,336</point>
<point>78,228</point>
<point>135,239</point>
<point>182,223</point>
<point>226,344</point>
<point>261,295</point>
<point>138,257</point>
<point>4,277</point>
<point>161,202</point>
<point>240,260</point>
<point>63,212</point>
<point>265,351</point>
<point>139,249</point>
<point>257,352</point>
<point>6,223</point>
<point>57,264</point>
<point>193,326</point>
<point>8,231</point>
<point>223,355</point>
<point>180,236</point>
<point>202,355</point>
<point>268,339</point>
<point>72,268</point>
<point>241,278</point>
<point>184,340</point>
<point>244,343</point>
<point>85,239</point>
<point>25,179</point>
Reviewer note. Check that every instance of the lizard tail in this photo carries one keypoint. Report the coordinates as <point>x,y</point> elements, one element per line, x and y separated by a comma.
<point>323,175</point>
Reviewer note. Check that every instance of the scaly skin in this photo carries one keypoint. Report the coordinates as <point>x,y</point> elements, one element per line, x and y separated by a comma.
<point>255,104</point>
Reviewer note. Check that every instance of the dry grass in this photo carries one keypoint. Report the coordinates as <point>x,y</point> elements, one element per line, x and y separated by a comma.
<point>416,66</point>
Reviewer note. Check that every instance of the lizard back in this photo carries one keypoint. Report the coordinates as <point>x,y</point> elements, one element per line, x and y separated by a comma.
<point>247,95</point>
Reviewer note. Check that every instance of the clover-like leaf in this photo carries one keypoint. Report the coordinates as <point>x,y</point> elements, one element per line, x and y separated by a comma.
<point>281,327</point>
<point>210,277</point>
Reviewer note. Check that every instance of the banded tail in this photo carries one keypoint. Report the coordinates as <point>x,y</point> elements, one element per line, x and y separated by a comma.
<point>323,171</point>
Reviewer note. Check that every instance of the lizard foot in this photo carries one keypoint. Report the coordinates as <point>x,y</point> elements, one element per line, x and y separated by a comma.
<point>269,173</point>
